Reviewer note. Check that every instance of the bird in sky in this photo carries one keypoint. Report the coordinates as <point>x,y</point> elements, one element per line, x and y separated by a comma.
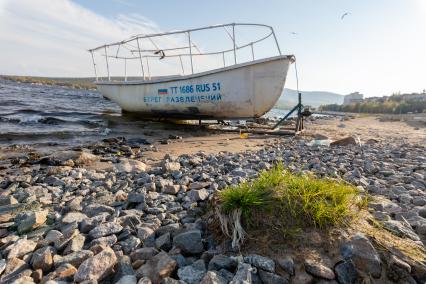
<point>293,33</point>
<point>344,15</point>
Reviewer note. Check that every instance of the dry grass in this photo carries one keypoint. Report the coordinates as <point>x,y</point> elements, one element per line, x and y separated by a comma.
<point>387,241</point>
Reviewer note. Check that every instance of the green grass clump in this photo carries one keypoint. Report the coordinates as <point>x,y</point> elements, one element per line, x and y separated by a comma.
<point>319,202</point>
<point>258,194</point>
<point>287,202</point>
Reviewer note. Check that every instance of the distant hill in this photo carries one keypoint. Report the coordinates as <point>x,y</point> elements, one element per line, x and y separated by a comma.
<point>311,98</point>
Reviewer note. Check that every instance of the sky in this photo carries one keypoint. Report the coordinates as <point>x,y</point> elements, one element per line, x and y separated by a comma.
<point>377,49</point>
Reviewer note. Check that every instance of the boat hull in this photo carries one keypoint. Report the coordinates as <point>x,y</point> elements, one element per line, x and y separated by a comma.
<point>240,91</point>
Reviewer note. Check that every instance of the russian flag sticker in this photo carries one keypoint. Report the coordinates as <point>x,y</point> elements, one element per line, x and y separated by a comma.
<point>163,92</point>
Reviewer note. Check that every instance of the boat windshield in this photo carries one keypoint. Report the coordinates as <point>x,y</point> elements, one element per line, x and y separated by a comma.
<point>183,52</point>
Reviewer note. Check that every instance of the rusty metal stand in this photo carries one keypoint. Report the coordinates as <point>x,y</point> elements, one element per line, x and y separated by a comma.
<point>300,117</point>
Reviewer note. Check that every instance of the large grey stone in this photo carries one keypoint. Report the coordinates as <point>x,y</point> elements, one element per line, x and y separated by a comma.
<point>144,233</point>
<point>212,277</point>
<point>194,273</point>
<point>8,200</point>
<point>107,241</point>
<point>21,247</point>
<point>52,236</point>
<point>2,265</point>
<point>400,229</point>
<point>136,197</point>
<point>170,228</point>
<point>130,244</point>
<point>127,279</point>
<point>363,255</point>
<point>89,224</point>
<point>93,210</point>
<point>261,262</point>
<point>124,267</point>
<point>271,278</point>
<point>105,229</point>
<point>189,242</point>
<point>43,258</point>
<point>157,268</point>
<point>75,258</point>
<point>171,189</point>
<point>346,272</point>
<point>198,195</point>
<point>74,217</point>
<point>222,261</point>
<point>14,266</point>
<point>75,244</point>
<point>145,253</point>
<point>287,264</point>
<point>169,167</point>
<point>199,185</point>
<point>318,269</point>
<point>243,274</point>
<point>163,242</point>
<point>97,267</point>
<point>129,166</point>
<point>344,142</point>
<point>169,280</point>
<point>32,220</point>
<point>79,158</point>
<point>398,270</point>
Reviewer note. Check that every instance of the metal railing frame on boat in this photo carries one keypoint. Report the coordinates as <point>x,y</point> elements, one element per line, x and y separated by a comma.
<point>159,53</point>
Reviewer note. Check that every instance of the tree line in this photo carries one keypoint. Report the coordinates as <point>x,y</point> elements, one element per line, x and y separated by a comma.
<point>395,104</point>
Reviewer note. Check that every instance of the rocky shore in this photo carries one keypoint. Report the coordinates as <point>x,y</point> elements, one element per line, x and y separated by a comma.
<point>106,214</point>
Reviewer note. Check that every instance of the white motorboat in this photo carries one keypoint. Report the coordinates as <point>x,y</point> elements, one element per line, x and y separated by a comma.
<point>236,90</point>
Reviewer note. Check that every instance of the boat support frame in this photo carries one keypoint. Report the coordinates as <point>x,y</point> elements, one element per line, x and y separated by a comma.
<point>300,122</point>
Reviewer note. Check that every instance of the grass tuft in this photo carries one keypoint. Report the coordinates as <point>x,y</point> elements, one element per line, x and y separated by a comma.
<point>286,203</point>
<point>258,194</point>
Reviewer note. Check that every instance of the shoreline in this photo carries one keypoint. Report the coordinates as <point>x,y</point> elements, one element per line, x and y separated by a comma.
<point>172,138</point>
<point>74,83</point>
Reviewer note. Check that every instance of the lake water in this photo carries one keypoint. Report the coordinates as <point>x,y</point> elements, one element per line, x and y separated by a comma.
<point>32,113</point>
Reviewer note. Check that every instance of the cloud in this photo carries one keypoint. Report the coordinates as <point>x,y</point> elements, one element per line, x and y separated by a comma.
<point>51,38</point>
